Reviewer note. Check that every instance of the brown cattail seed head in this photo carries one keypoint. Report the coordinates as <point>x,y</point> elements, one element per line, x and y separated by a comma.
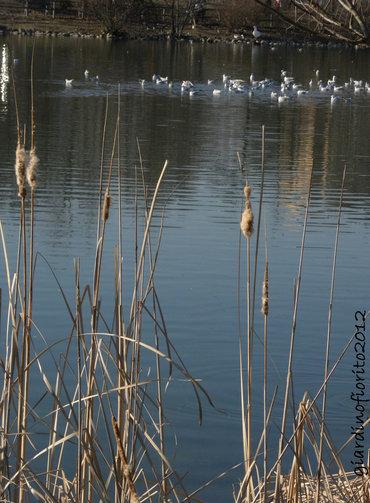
<point>20,170</point>
<point>265,292</point>
<point>33,162</point>
<point>106,206</point>
<point>246,223</point>
<point>247,191</point>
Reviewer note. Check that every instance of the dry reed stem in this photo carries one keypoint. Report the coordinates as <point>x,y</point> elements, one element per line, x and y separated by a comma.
<point>33,121</point>
<point>100,188</point>
<point>260,205</point>
<point>125,466</point>
<point>292,340</point>
<point>328,336</point>
<point>121,353</point>
<point>264,310</point>
<point>151,284</point>
<point>87,474</point>
<point>241,368</point>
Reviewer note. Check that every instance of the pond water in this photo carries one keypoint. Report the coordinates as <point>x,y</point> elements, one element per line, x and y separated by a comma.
<point>200,136</point>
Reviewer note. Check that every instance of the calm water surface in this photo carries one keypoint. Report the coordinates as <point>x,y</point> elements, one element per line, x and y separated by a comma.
<point>197,271</point>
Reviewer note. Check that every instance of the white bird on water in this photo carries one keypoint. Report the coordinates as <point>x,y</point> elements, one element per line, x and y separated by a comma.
<point>216,92</point>
<point>186,85</point>
<point>236,83</point>
<point>86,73</point>
<point>68,82</point>
<point>283,98</point>
<point>161,80</point>
<point>333,99</point>
<point>256,33</point>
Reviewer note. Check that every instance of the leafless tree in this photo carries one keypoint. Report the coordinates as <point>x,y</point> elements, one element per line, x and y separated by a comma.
<point>346,20</point>
<point>183,12</point>
<point>114,14</point>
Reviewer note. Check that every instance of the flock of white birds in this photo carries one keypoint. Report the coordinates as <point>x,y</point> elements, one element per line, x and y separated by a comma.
<point>285,90</point>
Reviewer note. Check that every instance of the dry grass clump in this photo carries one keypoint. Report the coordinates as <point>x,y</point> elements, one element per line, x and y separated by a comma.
<point>342,488</point>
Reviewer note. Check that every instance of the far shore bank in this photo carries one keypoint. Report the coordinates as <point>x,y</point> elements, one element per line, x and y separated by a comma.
<point>42,26</point>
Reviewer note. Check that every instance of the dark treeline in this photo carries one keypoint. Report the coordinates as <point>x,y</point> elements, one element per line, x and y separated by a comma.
<point>345,20</point>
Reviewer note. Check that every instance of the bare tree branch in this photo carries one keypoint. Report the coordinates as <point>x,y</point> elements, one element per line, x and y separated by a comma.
<point>331,19</point>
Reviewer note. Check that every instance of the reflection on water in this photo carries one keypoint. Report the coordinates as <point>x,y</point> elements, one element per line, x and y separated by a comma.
<point>4,74</point>
<point>197,272</point>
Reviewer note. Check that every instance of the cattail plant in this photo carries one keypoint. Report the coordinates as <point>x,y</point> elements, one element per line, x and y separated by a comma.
<point>30,175</point>
<point>246,226</point>
<point>21,161</point>
<point>247,229</point>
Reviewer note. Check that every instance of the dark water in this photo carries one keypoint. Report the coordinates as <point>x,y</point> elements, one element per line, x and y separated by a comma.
<point>197,272</point>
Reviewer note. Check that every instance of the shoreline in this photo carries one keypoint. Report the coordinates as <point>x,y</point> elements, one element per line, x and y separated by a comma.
<point>41,26</point>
